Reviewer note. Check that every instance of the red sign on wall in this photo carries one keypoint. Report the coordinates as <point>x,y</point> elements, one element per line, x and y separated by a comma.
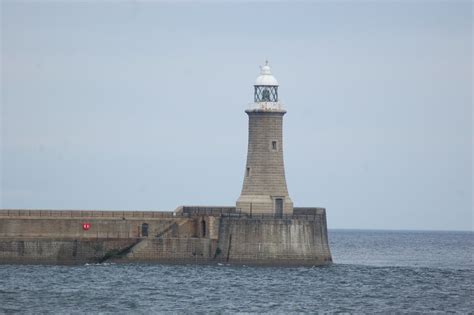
<point>86,226</point>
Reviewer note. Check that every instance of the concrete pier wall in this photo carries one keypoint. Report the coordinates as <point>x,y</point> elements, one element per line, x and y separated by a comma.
<point>26,237</point>
<point>266,241</point>
<point>60,251</point>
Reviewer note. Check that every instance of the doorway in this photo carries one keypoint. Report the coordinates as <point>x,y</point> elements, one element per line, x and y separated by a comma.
<point>145,229</point>
<point>279,207</point>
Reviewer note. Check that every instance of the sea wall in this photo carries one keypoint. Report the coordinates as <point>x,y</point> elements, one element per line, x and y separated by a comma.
<point>60,251</point>
<point>172,251</point>
<point>59,237</point>
<point>253,241</point>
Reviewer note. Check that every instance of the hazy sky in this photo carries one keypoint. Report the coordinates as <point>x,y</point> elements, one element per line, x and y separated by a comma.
<point>140,105</point>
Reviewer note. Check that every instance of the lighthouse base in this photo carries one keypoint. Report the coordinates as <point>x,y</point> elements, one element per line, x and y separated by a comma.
<point>265,204</point>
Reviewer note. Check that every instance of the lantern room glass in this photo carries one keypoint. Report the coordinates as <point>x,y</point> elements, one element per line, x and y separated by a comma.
<point>264,93</point>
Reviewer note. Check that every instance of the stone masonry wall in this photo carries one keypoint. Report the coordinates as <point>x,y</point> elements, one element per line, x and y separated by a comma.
<point>60,252</point>
<point>172,250</point>
<point>264,177</point>
<point>273,242</point>
<point>72,228</point>
<point>234,239</point>
<point>267,170</point>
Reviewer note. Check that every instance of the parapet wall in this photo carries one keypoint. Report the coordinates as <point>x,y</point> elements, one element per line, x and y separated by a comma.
<point>69,223</point>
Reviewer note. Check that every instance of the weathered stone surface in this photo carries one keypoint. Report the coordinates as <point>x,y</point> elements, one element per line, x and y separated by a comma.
<point>273,241</point>
<point>60,251</point>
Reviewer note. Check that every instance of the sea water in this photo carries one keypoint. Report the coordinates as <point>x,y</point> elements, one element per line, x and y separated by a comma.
<point>373,271</point>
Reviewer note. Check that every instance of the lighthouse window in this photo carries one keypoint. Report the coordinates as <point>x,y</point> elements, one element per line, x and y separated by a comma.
<point>203,228</point>
<point>274,145</point>
<point>247,172</point>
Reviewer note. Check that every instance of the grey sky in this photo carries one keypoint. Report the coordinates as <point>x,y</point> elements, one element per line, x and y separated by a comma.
<point>140,105</point>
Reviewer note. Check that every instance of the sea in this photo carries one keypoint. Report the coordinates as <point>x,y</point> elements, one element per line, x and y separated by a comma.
<point>373,272</point>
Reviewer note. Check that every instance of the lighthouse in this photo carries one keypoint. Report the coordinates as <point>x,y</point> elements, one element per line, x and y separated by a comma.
<point>264,189</point>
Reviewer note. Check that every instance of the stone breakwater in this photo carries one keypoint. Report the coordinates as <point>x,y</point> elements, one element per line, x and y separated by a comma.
<point>188,235</point>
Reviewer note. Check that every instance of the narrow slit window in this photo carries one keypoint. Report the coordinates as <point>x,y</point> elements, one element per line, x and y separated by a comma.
<point>247,172</point>
<point>274,145</point>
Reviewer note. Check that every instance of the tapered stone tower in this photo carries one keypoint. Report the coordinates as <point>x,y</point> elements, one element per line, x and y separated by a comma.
<point>264,189</point>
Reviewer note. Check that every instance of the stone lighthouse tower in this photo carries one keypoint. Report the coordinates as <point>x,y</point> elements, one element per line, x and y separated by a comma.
<point>264,189</point>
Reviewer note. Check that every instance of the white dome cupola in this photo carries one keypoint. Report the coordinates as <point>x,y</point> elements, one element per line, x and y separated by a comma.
<point>266,78</point>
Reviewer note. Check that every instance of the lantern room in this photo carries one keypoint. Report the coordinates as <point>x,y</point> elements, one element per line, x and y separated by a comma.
<point>266,86</point>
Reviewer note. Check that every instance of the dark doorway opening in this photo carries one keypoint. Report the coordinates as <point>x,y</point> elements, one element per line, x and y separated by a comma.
<point>279,207</point>
<point>145,229</point>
